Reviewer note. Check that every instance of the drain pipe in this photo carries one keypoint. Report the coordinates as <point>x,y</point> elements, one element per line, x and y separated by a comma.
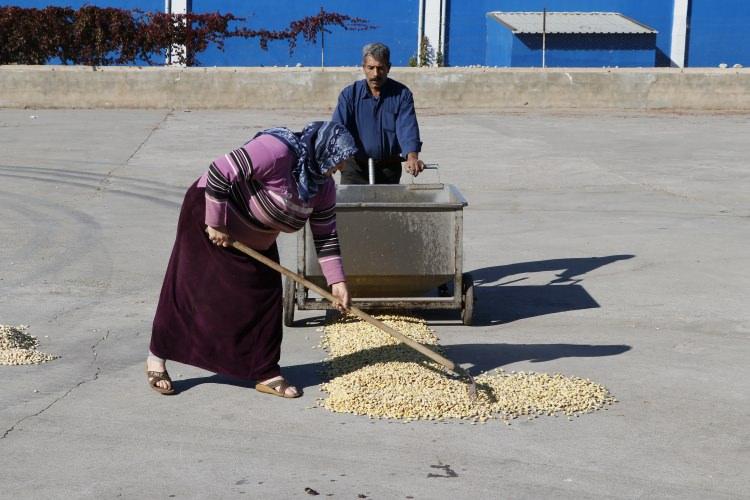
<point>441,37</point>
<point>544,38</point>
<point>420,30</point>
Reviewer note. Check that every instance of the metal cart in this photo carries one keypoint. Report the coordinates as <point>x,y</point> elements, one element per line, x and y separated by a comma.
<point>399,244</point>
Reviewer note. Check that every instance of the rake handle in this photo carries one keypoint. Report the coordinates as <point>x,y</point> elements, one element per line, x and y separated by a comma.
<point>354,310</point>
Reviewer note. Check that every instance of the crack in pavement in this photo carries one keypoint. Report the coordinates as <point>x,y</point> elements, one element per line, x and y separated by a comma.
<point>76,386</point>
<point>154,129</point>
<point>106,180</point>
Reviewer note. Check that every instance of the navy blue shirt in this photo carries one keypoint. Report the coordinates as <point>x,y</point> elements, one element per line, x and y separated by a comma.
<point>383,127</point>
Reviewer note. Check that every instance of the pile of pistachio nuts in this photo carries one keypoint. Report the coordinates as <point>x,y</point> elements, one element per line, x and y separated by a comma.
<point>371,374</point>
<point>17,347</point>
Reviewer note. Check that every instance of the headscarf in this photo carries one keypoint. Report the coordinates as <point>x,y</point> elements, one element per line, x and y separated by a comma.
<point>319,147</point>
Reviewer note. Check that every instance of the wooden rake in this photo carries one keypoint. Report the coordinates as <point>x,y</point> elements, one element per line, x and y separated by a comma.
<point>429,353</point>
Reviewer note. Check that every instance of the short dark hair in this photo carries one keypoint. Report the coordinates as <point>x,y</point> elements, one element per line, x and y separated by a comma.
<point>378,51</point>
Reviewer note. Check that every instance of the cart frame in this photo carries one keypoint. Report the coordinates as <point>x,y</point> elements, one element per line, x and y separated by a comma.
<point>462,298</point>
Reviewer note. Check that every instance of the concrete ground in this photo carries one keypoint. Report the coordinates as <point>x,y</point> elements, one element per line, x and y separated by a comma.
<point>612,247</point>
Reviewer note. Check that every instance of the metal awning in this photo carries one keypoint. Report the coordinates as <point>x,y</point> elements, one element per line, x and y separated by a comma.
<point>571,23</point>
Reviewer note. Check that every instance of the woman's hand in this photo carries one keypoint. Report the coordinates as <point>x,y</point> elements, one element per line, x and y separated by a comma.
<point>219,236</point>
<point>341,292</point>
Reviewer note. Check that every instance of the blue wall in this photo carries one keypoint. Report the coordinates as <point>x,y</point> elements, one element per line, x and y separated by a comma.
<point>500,39</point>
<point>718,30</point>
<point>584,50</point>
<point>719,33</point>
<point>466,35</point>
<point>396,24</point>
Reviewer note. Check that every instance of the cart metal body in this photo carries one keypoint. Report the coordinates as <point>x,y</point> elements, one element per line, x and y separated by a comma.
<point>399,243</point>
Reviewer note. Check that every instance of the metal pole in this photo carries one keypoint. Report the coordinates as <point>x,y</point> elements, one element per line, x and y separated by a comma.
<point>441,33</point>
<point>371,170</point>
<point>322,37</point>
<point>544,38</point>
<point>420,30</point>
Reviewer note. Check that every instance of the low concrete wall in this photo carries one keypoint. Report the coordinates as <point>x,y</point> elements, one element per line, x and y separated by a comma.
<point>449,89</point>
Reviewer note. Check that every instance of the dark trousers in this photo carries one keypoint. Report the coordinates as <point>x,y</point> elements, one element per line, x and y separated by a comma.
<point>386,172</point>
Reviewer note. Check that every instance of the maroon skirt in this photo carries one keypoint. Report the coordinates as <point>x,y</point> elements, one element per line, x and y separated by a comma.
<point>219,309</point>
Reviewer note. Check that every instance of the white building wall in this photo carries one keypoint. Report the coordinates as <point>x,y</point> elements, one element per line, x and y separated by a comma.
<point>679,33</point>
<point>432,25</point>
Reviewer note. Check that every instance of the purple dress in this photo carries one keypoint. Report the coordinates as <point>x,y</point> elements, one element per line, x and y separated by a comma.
<point>219,309</point>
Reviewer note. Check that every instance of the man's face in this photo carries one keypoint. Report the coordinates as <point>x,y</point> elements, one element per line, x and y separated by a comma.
<point>376,71</point>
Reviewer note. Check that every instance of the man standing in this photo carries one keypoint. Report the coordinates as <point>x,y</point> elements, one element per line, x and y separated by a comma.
<point>379,113</point>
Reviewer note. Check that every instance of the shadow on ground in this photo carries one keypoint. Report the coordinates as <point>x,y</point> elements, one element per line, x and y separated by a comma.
<point>499,301</point>
<point>476,357</point>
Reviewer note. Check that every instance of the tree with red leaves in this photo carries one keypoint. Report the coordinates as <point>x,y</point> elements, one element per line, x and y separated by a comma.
<point>104,36</point>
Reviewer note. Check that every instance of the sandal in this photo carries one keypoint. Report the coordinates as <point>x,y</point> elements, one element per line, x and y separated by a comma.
<point>156,377</point>
<point>277,388</point>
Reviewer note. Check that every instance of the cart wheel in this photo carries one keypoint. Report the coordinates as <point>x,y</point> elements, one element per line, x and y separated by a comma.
<point>289,299</point>
<point>467,314</point>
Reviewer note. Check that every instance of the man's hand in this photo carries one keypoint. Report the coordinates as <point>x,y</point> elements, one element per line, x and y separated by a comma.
<point>413,164</point>
<point>341,292</point>
<point>219,236</point>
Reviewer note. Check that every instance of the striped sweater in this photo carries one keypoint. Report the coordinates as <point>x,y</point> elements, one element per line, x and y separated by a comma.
<point>251,191</point>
